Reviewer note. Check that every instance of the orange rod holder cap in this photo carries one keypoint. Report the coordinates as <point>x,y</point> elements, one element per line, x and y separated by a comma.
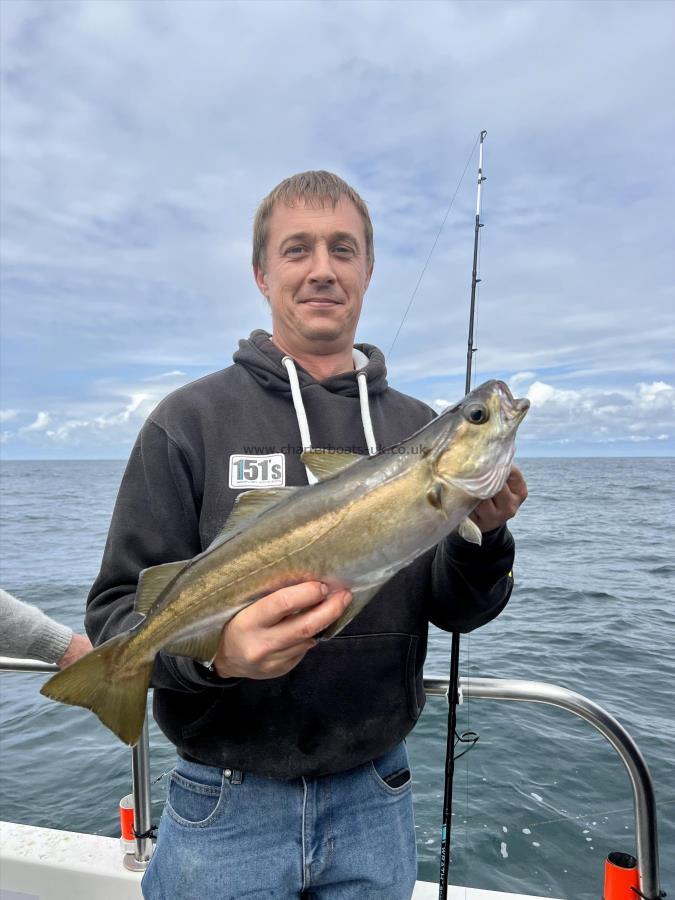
<point>622,879</point>
<point>127,837</point>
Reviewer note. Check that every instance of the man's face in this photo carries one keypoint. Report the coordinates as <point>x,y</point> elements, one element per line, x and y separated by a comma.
<point>315,275</point>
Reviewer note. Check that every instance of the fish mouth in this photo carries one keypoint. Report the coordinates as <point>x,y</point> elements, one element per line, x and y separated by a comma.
<point>512,409</point>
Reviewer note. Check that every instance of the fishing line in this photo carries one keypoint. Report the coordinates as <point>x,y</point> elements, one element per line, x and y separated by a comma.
<point>593,815</point>
<point>431,252</point>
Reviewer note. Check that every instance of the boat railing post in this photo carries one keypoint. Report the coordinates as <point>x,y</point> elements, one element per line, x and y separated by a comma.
<point>140,771</point>
<point>644,800</point>
<point>140,775</point>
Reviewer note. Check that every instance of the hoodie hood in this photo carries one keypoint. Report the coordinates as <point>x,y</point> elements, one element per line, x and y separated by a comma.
<point>263,360</point>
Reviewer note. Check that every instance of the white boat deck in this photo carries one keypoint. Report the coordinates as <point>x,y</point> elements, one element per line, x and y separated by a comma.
<point>44,864</point>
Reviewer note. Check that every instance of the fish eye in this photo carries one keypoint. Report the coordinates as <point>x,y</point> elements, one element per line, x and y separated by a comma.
<point>476,413</point>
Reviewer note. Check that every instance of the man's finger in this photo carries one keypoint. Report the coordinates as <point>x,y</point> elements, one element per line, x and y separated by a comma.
<point>506,503</point>
<point>306,625</point>
<point>273,608</point>
<point>516,483</point>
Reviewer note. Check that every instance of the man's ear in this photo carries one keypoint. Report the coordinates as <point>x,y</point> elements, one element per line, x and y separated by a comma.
<point>261,281</point>
<point>369,275</point>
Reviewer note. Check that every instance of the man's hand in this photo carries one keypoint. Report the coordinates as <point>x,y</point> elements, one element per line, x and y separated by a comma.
<point>271,636</point>
<point>490,514</point>
<point>78,646</point>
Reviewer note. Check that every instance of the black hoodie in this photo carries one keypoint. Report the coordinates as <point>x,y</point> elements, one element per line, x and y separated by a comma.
<point>350,699</point>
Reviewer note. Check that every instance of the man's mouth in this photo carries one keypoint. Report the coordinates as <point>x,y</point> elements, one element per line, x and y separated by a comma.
<point>320,301</point>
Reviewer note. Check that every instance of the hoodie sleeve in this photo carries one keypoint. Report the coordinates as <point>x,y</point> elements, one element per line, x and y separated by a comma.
<point>155,520</point>
<point>471,585</point>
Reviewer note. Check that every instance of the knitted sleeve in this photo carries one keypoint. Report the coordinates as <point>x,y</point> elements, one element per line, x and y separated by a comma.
<point>26,632</point>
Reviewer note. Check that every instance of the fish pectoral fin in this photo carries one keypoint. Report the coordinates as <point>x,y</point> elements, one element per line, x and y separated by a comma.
<point>435,495</point>
<point>247,507</point>
<point>470,531</point>
<point>324,463</point>
<point>360,599</point>
<point>202,647</point>
<point>152,581</point>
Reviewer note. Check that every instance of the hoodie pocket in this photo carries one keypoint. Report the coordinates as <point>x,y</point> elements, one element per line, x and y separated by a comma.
<point>347,702</point>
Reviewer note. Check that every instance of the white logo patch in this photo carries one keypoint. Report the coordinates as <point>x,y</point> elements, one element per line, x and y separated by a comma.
<point>257,471</point>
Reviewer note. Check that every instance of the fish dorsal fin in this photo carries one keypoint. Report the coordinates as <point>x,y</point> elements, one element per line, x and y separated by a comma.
<point>152,581</point>
<point>248,507</point>
<point>324,463</point>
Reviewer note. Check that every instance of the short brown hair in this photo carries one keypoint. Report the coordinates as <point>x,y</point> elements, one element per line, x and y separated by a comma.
<point>315,188</point>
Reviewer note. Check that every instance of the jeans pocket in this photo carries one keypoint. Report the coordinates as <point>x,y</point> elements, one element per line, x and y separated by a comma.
<point>391,772</point>
<point>192,804</point>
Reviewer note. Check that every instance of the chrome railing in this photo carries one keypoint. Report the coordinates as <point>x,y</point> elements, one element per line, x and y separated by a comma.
<point>644,800</point>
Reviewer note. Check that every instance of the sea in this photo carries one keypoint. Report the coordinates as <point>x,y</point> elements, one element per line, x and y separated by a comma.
<point>540,799</point>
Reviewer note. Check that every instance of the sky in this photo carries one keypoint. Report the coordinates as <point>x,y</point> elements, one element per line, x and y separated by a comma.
<point>137,139</point>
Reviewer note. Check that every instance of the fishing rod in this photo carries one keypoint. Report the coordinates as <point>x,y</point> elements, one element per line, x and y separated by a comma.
<point>453,687</point>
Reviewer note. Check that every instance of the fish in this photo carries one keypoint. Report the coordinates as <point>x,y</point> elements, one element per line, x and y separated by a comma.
<point>365,519</point>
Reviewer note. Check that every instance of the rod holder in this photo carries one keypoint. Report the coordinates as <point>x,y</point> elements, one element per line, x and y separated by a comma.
<point>139,860</point>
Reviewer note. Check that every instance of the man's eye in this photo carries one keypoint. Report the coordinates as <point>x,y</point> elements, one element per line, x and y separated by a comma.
<point>295,251</point>
<point>343,250</point>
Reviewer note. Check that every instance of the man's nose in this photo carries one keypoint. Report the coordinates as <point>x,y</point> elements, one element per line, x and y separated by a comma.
<point>322,266</point>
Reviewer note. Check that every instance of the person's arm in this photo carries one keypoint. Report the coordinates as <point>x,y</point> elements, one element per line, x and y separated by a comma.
<point>26,632</point>
<point>471,584</point>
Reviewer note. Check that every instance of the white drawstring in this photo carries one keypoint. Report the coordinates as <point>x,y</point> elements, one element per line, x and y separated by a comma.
<point>300,413</point>
<point>360,359</point>
<point>362,380</point>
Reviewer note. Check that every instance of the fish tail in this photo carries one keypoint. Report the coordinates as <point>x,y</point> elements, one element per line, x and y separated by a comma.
<point>107,682</point>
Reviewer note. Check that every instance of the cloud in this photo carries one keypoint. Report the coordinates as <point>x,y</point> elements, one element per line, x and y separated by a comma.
<point>133,167</point>
<point>40,423</point>
<point>645,412</point>
<point>72,430</point>
<point>7,414</point>
<point>105,423</point>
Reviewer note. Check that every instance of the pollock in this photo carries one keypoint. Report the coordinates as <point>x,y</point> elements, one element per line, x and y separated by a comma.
<point>365,519</point>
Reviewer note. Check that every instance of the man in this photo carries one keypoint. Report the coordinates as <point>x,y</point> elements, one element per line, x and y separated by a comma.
<point>293,778</point>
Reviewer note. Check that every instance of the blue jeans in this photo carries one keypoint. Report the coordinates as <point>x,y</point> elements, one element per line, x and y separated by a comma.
<point>228,835</point>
